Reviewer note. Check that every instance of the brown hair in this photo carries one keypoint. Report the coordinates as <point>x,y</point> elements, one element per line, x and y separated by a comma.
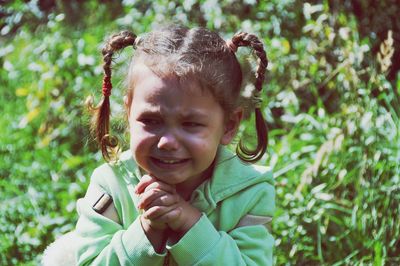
<point>196,53</point>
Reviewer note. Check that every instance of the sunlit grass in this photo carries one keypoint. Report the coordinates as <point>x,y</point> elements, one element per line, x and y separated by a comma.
<point>333,117</point>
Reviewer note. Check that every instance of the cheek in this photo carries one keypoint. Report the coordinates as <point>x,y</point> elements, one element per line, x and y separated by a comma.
<point>140,146</point>
<point>140,138</point>
<point>203,145</point>
<point>210,139</point>
<point>197,141</point>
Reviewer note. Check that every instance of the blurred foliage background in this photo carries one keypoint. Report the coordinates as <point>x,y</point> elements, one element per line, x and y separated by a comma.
<point>331,102</point>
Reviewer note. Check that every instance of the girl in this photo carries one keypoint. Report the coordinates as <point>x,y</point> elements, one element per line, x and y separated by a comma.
<point>178,196</point>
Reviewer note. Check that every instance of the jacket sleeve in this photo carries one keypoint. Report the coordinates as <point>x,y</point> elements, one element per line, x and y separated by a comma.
<point>251,244</point>
<point>102,241</point>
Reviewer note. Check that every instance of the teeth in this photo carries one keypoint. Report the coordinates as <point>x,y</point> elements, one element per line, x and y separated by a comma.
<point>170,161</point>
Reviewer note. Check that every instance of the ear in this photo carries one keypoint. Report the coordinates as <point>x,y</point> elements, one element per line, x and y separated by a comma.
<point>232,125</point>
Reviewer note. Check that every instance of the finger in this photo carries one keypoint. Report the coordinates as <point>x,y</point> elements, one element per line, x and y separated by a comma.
<point>149,196</point>
<point>162,186</point>
<point>146,223</point>
<point>143,183</point>
<point>158,213</point>
<point>170,216</point>
<point>165,200</point>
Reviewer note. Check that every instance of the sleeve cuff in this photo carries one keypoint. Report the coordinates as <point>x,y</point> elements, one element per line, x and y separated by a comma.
<point>137,245</point>
<point>196,243</point>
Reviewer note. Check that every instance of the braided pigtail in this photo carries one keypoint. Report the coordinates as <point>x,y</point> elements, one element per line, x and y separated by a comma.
<point>101,113</point>
<point>244,153</point>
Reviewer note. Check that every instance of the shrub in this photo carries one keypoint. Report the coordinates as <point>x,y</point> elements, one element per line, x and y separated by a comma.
<point>332,112</point>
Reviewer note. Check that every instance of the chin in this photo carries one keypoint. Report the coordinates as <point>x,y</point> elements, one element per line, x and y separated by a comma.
<point>171,179</point>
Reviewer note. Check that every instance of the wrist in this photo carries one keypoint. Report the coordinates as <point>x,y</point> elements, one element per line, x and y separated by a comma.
<point>149,226</point>
<point>156,236</point>
<point>194,218</point>
<point>178,232</point>
<point>190,217</point>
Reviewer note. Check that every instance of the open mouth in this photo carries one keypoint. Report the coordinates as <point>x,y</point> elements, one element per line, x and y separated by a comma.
<point>170,162</point>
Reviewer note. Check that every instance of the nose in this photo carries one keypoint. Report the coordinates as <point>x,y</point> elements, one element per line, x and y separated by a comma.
<point>168,142</point>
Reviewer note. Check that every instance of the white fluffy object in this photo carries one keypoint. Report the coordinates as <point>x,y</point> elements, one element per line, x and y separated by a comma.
<point>61,252</point>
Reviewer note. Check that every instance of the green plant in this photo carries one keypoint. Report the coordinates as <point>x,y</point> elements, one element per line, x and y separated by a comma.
<point>332,109</point>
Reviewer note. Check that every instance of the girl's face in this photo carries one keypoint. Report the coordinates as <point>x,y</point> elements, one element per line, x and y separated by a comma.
<point>176,127</point>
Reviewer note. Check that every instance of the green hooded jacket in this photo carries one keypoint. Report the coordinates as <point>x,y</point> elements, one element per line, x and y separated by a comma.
<point>237,204</point>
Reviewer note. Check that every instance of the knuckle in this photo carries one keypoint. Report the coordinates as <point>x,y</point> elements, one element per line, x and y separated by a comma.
<point>156,209</point>
<point>154,192</point>
<point>153,212</point>
<point>154,185</point>
<point>176,198</point>
<point>146,178</point>
<point>162,200</point>
<point>158,185</point>
<point>174,214</point>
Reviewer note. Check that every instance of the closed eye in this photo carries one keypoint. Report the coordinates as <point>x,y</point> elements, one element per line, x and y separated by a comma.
<point>149,121</point>
<point>192,124</point>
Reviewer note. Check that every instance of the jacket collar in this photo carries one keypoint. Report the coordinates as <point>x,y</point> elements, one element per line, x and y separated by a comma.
<point>229,177</point>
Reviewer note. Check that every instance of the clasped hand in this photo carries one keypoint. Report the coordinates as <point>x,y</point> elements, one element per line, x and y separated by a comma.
<point>163,207</point>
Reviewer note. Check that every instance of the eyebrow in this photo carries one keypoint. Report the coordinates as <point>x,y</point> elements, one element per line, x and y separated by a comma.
<point>193,114</point>
<point>148,111</point>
